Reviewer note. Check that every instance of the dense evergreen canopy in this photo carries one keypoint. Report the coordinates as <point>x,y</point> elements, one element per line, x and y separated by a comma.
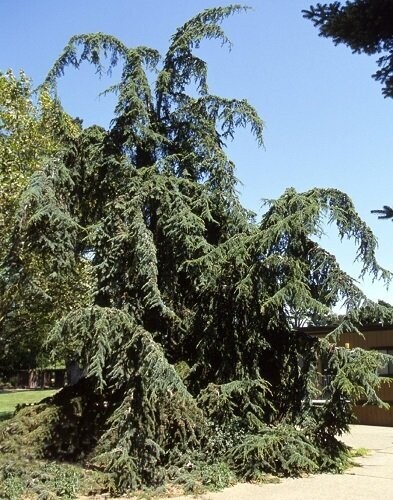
<point>189,342</point>
<point>365,26</point>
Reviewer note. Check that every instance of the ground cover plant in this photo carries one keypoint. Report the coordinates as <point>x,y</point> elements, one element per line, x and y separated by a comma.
<point>194,369</point>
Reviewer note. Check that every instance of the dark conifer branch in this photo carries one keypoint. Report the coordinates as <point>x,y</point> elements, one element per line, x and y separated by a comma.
<point>366,26</point>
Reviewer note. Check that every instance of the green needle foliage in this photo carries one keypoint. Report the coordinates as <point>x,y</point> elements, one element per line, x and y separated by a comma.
<point>363,25</point>
<point>189,344</point>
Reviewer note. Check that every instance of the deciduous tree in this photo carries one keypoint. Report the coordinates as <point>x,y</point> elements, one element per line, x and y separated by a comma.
<point>33,129</point>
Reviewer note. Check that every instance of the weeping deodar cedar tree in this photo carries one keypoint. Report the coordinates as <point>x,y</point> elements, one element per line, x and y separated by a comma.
<point>190,347</point>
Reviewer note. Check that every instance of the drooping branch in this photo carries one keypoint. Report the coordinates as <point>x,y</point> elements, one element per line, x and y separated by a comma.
<point>92,45</point>
<point>181,67</point>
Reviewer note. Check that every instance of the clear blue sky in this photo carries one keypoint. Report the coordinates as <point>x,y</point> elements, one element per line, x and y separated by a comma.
<point>327,123</point>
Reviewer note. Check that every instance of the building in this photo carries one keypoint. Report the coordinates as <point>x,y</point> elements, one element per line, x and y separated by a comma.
<point>378,338</point>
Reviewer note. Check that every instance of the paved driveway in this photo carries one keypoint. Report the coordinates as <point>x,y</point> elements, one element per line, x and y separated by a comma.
<point>372,479</point>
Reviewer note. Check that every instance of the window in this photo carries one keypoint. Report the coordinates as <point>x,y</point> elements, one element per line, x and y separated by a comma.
<point>387,370</point>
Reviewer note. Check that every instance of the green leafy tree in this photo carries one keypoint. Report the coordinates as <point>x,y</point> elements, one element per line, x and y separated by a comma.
<point>363,25</point>
<point>33,129</point>
<point>188,343</point>
<point>29,132</point>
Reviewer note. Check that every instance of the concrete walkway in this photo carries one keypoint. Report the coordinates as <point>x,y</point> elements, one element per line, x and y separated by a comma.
<point>372,478</point>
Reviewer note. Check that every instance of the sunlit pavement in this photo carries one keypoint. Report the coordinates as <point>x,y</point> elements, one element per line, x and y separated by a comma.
<point>372,478</point>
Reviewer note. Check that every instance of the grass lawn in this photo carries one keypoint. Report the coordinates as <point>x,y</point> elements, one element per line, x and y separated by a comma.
<point>9,400</point>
